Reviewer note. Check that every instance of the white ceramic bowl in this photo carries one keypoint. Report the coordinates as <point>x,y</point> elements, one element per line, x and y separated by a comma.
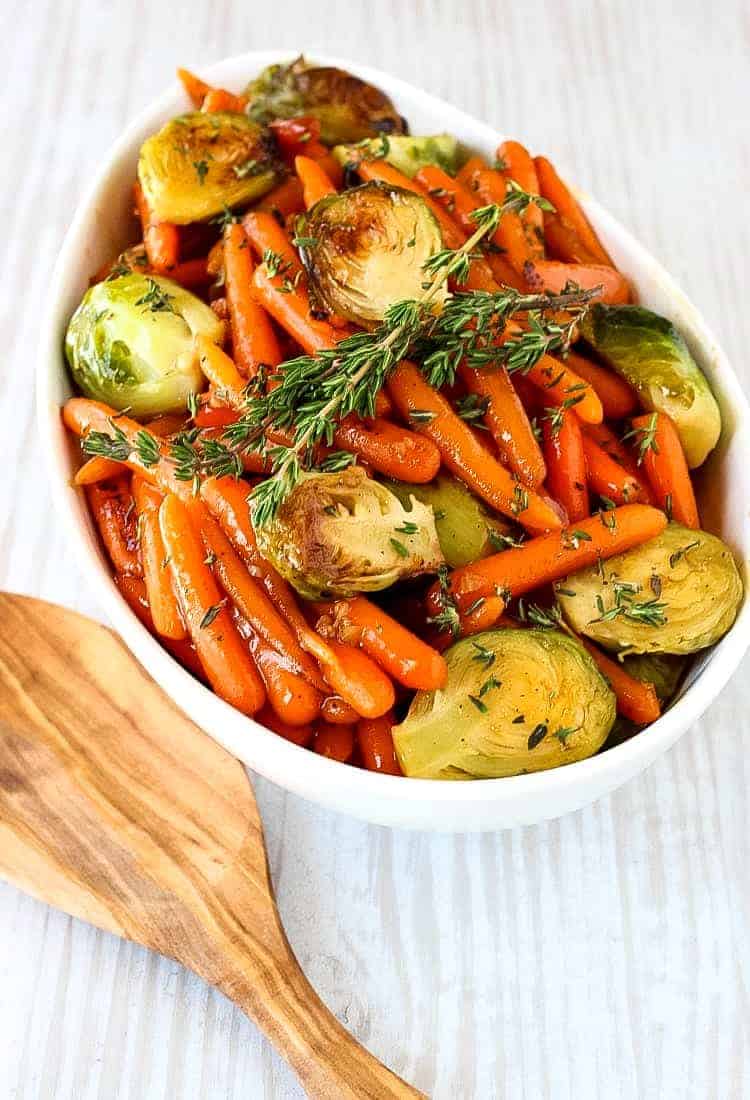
<point>100,229</point>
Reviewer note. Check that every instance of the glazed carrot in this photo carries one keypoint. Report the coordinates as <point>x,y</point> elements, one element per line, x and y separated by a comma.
<point>566,463</point>
<point>507,420</point>
<point>552,556</point>
<point>290,696</point>
<point>133,591</point>
<point>617,397</point>
<point>290,308</point>
<point>404,657</point>
<point>165,611</point>
<point>353,675</point>
<point>266,235</point>
<point>518,166</point>
<point>567,208</point>
<point>337,712</point>
<point>283,200</point>
<point>82,415</point>
<point>480,276</point>
<point>390,449</point>
<point>559,383</point>
<point>252,600</point>
<point>227,663</point>
<point>563,243</point>
<point>606,438</point>
<point>219,368</point>
<point>254,341</point>
<point>166,424</point>
<point>464,456</point>
<point>666,467</point>
<point>552,276</point>
<point>227,499</point>
<point>376,745</point>
<point>301,137</point>
<point>215,416</point>
<point>219,99</point>
<point>196,88</point>
<point>466,175</point>
<point>316,183</point>
<point>609,479</point>
<point>97,469</point>
<point>636,700</point>
<point>111,505</point>
<point>161,239</point>
<point>191,274</point>
<point>298,735</point>
<point>335,742</point>
<point>510,235</point>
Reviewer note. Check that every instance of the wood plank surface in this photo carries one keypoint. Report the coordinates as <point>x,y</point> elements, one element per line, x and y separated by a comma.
<point>605,954</point>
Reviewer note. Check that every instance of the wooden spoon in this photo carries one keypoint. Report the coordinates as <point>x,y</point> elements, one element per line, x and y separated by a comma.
<point>117,809</point>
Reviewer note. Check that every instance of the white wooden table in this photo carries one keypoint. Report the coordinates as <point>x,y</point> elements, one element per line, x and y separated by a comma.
<point>605,954</point>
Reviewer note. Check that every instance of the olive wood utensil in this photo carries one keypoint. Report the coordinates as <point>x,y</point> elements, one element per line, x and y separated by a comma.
<point>115,808</point>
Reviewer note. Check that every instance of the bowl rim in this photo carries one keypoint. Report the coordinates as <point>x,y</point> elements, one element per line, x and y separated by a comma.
<point>291,766</point>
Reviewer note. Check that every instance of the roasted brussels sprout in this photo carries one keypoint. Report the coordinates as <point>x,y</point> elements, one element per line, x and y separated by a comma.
<point>466,530</point>
<point>515,701</point>
<point>677,593</point>
<point>649,352</point>
<point>348,108</point>
<point>199,164</point>
<point>365,248</point>
<point>406,153</point>
<point>130,343</point>
<point>341,533</point>
<point>663,670</point>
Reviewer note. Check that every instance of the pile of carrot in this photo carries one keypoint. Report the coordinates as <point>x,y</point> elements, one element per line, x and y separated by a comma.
<point>565,451</point>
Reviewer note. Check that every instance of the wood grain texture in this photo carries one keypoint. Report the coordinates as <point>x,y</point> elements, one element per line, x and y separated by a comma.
<point>117,809</point>
<point>605,954</point>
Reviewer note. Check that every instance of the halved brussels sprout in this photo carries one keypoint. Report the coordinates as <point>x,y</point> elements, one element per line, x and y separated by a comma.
<point>515,701</point>
<point>663,670</point>
<point>130,343</point>
<point>649,352</point>
<point>348,108</point>
<point>365,248</point>
<point>677,593</point>
<point>405,152</point>
<point>199,164</point>
<point>341,533</point>
<point>466,530</point>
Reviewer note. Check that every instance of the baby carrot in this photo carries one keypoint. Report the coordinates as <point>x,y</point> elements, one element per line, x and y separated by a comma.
<point>97,469</point>
<point>196,88</point>
<point>226,661</point>
<point>402,654</point>
<point>563,243</point>
<point>463,455</point>
<point>82,416</point>
<point>609,479</point>
<point>161,239</point>
<point>606,438</point>
<point>567,208</point>
<point>518,166</point>
<point>666,467</point>
<point>219,99</point>
<point>291,696</point>
<point>566,462</point>
<point>553,276</point>
<point>510,235</point>
<point>337,712</point>
<point>165,611</point>
<point>253,339</point>
<point>636,700</point>
<point>283,200</point>
<point>133,591</point>
<point>111,505</point>
<point>335,742</point>
<point>219,368</point>
<point>251,599</point>
<point>353,675</point>
<point>298,735</point>
<point>560,384</point>
<point>290,307</point>
<point>617,397</point>
<point>552,556</point>
<point>507,420</point>
<point>316,183</point>
<point>389,448</point>
<point>466,175</point>
<point>227,499</point>
<point>376,745</point>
